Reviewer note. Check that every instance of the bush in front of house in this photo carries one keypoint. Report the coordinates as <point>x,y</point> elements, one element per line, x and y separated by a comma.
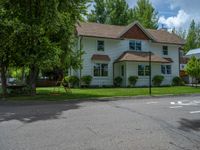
<point>86,80</point>
<point>132,80</point>
<point>157,80</point>
<point>74,81</point>
<point>177,81</point>
<point>118,81</point>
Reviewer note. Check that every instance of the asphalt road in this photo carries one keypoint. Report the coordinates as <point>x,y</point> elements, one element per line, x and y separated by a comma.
<point>171,123</point>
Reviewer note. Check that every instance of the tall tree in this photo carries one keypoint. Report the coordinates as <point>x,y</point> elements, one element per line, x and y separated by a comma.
<point>191,40</point>
<point>115,12</point>
<point>99,14</point>
<point>145,13</point>
<point>45,32</point>
<point>7,53</point>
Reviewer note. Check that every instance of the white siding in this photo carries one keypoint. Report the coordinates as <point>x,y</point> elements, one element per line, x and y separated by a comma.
<point>114,48</point>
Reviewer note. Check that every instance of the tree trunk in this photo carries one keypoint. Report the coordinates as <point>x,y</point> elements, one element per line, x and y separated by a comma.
<point>3,81</point>
<point>33,74</point>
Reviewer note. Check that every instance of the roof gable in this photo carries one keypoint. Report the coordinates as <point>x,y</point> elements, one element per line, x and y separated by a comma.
<point>135,31</point>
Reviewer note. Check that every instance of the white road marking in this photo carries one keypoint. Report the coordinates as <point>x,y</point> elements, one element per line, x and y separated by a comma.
<point>194,112</point>
<point>172,103</point>
<point>152,102</point>
<point>176,107</point>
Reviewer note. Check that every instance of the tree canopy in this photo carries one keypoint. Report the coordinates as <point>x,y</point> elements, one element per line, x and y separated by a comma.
<point>43,34</point>
<point>117,12</point>
<point>145,13</point>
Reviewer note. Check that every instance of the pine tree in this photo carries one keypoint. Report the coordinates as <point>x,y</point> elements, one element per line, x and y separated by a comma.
<point>115,12</point>
<point>145,13</point>
<point>191,40</point>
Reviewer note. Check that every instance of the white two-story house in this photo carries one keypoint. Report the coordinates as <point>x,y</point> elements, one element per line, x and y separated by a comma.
<point>111,51</point>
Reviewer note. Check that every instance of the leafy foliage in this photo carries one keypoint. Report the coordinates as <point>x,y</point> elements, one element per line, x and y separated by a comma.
<point>191,42</point>
<point>157,80</point>
<point>118,81</point>
<point>42,34</point>
<point>145,13</point>
<point>117,12</point>
<point>132,80</point>
<point>74,81</point>
<point>193,68</point>
<point>86,80</point>
<point>177,81</point>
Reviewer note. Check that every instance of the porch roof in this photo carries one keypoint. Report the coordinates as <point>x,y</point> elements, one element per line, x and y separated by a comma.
<point>142,57</point>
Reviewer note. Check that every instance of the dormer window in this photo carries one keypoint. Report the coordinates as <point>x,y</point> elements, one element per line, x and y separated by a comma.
<point>165,50</point>
<point>100,45</point>
<point>135,45</point>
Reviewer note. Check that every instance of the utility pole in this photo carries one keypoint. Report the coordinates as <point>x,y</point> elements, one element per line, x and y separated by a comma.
<point>149,72</point>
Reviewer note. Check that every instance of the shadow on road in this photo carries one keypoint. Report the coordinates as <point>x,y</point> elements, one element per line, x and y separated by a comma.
<point>187,125</point>
<point>28,113</point>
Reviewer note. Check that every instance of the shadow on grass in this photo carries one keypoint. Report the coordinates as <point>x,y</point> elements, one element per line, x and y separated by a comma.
<point>187,125</point>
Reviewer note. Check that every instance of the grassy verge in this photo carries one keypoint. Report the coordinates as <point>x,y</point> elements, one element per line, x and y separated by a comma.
<point>45,94</point>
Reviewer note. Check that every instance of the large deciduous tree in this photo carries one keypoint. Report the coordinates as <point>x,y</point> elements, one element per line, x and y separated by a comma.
<point>145,13</point>
<point>44,36</point>
<point>193,68</point>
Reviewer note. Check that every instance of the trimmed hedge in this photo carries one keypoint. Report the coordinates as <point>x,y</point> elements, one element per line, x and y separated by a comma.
<point>177,81</point>
<point>157,80</point>
<point>132,80</point>
<point>118,81</point>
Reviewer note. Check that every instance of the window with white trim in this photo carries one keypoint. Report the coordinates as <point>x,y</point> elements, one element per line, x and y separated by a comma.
<point>135,45</point>
<point>100,70</point>
<point>165,50</point>
<point>143,70</point>
<point>166,69</point>
<point>100,45</point>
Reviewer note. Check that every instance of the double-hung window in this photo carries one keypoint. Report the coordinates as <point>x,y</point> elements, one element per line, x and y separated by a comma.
<point>100,70</point>
<point>143,70</point>
<point>135,45</point>
<point>166,69</point>
<point>100,45</point>
<point>165,50</point>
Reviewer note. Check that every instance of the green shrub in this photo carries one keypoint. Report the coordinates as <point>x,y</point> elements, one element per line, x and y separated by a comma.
<point>132,80</point>
<point>157,80</point>
<point>177,81</point>
<point>65,81</point>
<point>74,81</point>
<point>118,81</point>
<point>86,80</point>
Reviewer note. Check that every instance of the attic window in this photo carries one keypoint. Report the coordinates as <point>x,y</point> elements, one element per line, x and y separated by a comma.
<point>135,45</point>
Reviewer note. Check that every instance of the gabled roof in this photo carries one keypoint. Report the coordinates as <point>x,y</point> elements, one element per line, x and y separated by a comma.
<point>141,57</point>
<point>117,32</point>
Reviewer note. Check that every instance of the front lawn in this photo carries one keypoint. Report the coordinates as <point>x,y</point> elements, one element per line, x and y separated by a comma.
<point>45,94</point>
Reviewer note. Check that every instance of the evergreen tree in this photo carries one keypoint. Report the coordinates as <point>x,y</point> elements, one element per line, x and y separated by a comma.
<point>145,13</point>
<point>99,14</point>
<point>191,40</point>
<point>115,12</point>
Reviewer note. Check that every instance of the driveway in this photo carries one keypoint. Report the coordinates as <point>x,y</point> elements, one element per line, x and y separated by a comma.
<point>170,123</point>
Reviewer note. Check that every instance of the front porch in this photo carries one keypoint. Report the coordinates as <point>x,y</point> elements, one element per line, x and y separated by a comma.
<point>137,64</point>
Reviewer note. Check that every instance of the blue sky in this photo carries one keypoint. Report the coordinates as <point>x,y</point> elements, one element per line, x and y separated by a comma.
<point>175,13</point>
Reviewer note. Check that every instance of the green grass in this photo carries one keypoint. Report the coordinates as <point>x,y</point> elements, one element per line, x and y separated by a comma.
<point>45,94</point>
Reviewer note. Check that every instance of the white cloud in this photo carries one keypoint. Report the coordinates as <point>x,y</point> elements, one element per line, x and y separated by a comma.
<point>178,21</point>
<point>188,10</point>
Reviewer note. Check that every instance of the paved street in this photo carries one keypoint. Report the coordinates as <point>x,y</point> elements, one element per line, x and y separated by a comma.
<point>171,123</point>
